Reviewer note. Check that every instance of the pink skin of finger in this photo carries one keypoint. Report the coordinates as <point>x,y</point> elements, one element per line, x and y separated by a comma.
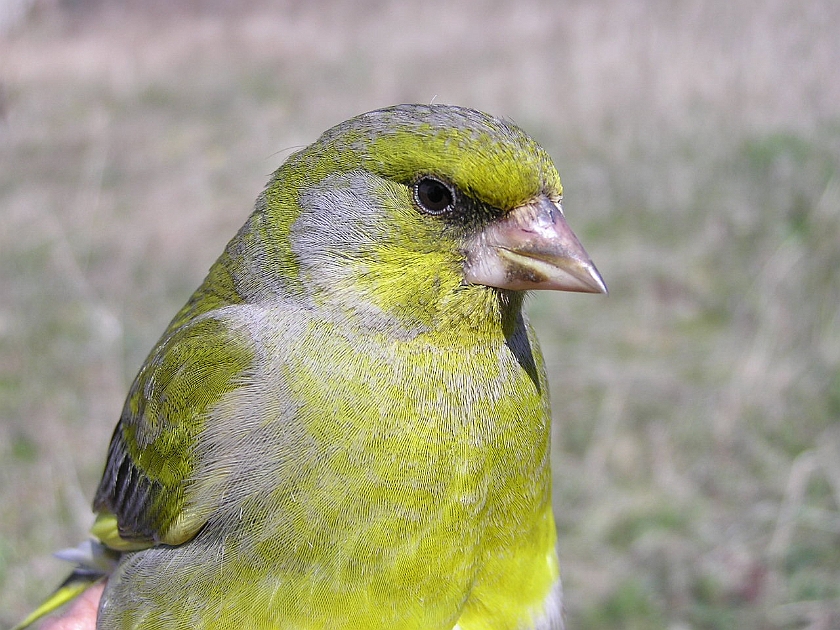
<point>81,615</point>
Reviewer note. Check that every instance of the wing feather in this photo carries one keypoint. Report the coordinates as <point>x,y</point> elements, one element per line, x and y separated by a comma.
<point>151,460</point>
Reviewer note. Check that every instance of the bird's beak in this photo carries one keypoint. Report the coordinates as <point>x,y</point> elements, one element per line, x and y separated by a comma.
<point>531,247</point>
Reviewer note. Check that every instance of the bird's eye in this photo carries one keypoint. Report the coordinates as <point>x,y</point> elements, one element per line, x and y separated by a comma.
<point>434,196</point>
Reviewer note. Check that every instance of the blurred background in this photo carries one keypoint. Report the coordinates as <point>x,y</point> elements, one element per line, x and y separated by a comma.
<point>697,443</point>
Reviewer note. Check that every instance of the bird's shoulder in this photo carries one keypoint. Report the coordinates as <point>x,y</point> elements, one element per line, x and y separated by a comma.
<point>145,486</point>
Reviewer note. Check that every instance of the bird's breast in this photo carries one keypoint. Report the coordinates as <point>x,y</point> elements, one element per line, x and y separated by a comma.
<point>364,475</point>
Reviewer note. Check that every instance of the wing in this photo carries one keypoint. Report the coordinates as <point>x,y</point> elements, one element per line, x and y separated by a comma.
<point>144,496</point>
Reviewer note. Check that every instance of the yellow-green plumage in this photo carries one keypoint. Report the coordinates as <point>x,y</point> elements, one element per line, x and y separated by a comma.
<point>347,426</point>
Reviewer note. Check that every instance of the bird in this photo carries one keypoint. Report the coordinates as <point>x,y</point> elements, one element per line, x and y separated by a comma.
<point>348,423</point>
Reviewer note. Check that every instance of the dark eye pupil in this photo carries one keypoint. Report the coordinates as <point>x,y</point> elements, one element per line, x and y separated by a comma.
<point>433,195</point>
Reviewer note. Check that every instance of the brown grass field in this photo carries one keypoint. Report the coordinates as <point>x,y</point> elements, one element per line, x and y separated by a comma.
<point>697,408</point>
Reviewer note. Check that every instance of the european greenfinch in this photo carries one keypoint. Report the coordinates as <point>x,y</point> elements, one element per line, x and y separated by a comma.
<point>348,425</point>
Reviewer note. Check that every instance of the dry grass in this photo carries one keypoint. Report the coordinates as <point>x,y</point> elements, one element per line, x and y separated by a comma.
<point>697,439</point>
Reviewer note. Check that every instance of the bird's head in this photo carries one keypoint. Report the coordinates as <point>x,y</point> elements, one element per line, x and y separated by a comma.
<point>420,210</point>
